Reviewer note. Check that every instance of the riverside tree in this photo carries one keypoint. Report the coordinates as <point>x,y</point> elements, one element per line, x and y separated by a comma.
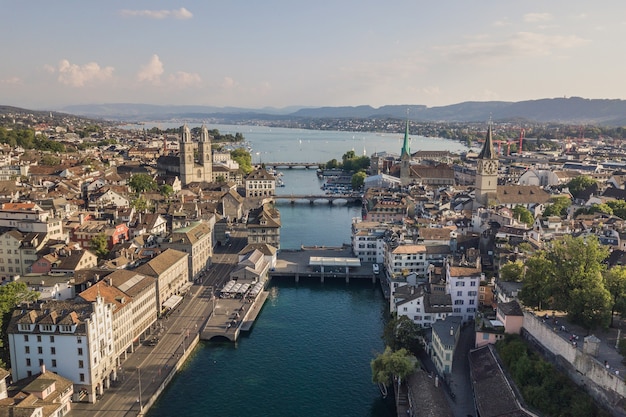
<point>392,364</point>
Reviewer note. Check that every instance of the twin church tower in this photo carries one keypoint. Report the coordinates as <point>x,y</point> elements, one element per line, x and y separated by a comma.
<point>191,171</point>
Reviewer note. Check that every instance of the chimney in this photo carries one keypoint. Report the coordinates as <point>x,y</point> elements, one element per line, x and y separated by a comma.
<point>81,219</point>
<point>451,331</point>
<point>43,368</point>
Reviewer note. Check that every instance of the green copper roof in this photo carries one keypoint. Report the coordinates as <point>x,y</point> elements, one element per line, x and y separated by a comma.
<point>405,145</point>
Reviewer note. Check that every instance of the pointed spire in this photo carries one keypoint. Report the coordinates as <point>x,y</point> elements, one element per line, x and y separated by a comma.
<point>185,133</point>
<point>487,152</point>
<point>405,145</point>
<point>204,136</point>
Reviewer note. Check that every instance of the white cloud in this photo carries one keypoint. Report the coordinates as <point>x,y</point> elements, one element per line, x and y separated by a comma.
<point>537,17</point>
<point>180,14</point>
<point>152,71</point>
<point>229,83</point>
<point>521,44</point>
<point>11,81</point>
<point>184,79</point>
<point>79,75</point>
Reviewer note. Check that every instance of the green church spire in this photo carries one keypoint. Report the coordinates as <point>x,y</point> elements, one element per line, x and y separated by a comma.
<point>405,145</point>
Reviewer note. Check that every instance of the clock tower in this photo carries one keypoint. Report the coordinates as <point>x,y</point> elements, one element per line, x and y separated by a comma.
<point>486,185</point>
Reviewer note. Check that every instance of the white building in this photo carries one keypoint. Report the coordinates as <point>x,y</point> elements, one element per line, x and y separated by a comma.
<point>368,242</point>
<point>420,306</point>
<point>195,240</point>
<point>73,339</point>
<point>260,183</point>
<point>462,283</point>
<point>444,340</point>
<point>29,217</point>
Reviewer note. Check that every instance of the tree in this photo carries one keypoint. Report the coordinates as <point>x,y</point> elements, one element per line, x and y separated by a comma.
<point>220,179</point>
<point>512,271</point>
<point>402,333</point>
<point>392,364</point>
<point>100,245</point>
<point>523,215</point>
<point>615,283</point>
<point>537,280</point>
<point>580,183</point>
<point>618,207</point>
<point>558,207</point>
<point>166,190</point>
<point>243,158</point>
<point>11,295</point>
<point>358,180</point>
<point>140,183</point>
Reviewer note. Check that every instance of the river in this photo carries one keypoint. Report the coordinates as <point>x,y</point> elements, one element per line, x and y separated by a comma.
<point>309,352</point>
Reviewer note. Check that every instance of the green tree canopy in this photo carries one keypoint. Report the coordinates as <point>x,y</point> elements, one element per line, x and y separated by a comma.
<point>402,333</point>
<point>523,215</point>
<point>512,271</point>
<point>580,183</point>
<point>100,245</point>
<point>11,295</point>
<point>358,180</point>
<point>243,158</point>
<point>615,283</point>
<point>140,183</point>
<point>558,207</point>
<point>390,364</point>
<point>166,190</point>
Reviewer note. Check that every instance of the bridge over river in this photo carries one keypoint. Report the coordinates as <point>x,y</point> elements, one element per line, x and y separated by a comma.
<point>289,165</point>
<point>329,198</point>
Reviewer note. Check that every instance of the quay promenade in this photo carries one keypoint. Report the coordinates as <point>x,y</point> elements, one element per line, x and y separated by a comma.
<point>149,369</point>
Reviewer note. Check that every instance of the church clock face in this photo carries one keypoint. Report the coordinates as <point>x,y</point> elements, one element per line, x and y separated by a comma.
<point>490,167</point>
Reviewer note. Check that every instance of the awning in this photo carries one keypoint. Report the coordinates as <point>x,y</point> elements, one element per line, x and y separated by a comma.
<point>172,302</point>
<point>186,286</point>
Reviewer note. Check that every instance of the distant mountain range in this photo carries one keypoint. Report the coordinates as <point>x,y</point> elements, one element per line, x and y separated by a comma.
<point>574,110</point>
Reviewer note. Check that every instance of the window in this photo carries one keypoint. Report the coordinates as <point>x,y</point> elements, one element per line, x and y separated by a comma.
<point>54,363</point>
<point>81,364</point>
<point>473,284</point>
<point>82,377</point>
<point>485,336</point>
<point>80,351</point>
<point>51,339</point>
<point>39,350</point>
<point>472,302</point>
<point>459,293</point>
<point>27,361</point>
<point>458,302</point>
<point>40,362</point>
<point>38,338</point>
<point>53,351</point>
<point>27,349</point>
<point>79,340</point>
<point>26,338</point>
<point>460,284</point>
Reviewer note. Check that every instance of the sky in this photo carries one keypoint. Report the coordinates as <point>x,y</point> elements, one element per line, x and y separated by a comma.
<point>281,53</point>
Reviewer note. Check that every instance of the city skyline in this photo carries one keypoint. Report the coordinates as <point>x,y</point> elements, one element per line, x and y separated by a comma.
<point>281,54</point>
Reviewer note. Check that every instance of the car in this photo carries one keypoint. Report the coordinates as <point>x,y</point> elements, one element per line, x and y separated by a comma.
<point>375,268</point>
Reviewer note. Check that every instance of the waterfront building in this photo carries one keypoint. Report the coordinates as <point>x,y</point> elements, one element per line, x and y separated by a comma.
<point>122,318</point>
<point>403,260</point>
<point>260,183</point>
<point>195,240</point>
<point>72,339</point>
<point>368,240</point>
<point>445,336</point>
<point>252,267</point>
<point>141,290</point>
<point>171,270</point>
<point>263,225</point>
<point>463,277</point>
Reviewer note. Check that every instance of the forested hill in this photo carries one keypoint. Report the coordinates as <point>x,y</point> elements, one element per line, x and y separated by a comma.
<point>574,110</point>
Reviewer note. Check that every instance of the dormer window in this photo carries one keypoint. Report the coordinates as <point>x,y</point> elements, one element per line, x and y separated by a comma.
<point>25,328</point>
<point>46,328</point>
